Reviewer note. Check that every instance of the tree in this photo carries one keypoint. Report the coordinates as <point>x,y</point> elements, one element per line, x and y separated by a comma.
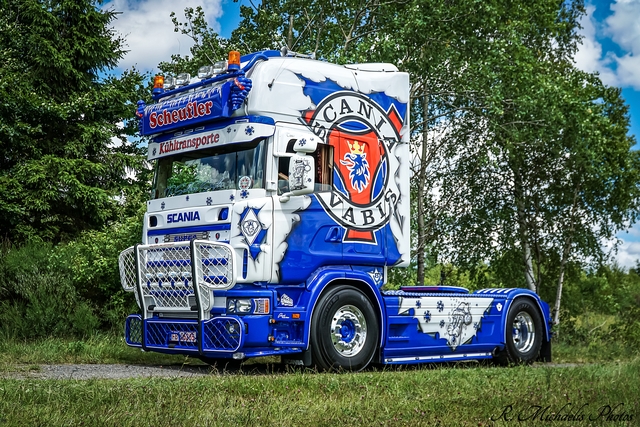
<point>65,152</point>
<point>523,164</point>
<point>551,176</point>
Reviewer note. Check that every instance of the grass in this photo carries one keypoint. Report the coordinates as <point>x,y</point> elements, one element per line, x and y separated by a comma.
<point>100,348</point>
<point>434,396</point>
<point>111,348</point>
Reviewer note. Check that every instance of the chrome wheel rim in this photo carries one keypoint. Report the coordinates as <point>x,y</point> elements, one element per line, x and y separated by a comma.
<point>524,332</point>
<point>348,330</point>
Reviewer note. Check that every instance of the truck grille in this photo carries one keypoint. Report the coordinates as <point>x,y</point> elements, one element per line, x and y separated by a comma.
<point>222,334</point>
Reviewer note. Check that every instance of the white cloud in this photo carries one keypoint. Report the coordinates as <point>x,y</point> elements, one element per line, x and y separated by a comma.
<point>149,33</point>
<point>589,56</point>
<point>623,26</point>
<point>628,254</point>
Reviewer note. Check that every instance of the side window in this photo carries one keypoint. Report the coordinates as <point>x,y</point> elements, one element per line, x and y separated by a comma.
<point>283,170</point>
<point>324,167</point>
<point>323,157</point>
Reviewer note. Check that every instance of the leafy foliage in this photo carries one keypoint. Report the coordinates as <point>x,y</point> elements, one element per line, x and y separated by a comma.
<point>65,153</point>
<point>523,162</point>
<point>68,289</point>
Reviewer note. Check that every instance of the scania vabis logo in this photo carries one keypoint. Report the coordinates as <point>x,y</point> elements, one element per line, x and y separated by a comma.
<point>363,136</point>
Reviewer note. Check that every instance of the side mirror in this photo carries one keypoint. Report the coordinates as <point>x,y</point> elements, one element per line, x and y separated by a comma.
<point>305,145</point>
<point>301,176</point>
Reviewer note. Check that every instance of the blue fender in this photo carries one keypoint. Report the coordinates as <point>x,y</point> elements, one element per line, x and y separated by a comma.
<point>516,293</point>
<point>324,277</point>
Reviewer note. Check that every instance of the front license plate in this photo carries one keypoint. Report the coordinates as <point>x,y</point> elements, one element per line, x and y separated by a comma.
<point>189,337</point>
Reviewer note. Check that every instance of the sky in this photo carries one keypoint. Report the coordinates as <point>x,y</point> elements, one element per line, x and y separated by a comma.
<point>610,46</point>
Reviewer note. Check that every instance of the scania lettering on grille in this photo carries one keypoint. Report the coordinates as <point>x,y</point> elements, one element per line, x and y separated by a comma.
<point>365,197</point>
<point>183,217</point>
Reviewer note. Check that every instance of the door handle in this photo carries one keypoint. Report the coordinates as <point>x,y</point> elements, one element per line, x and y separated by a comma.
<point>333,235</point>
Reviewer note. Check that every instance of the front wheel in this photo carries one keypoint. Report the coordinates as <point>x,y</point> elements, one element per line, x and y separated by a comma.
<point>524,332</point>
<point>344,330</point>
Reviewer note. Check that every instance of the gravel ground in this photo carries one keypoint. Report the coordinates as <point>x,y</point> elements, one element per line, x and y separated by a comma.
<point>100,371</point>
<point>85,372</point>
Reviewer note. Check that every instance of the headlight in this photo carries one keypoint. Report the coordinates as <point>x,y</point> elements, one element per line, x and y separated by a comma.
<point>248,305</point>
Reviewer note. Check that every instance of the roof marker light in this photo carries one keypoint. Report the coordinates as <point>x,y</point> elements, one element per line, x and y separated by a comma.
<point>158,82</point>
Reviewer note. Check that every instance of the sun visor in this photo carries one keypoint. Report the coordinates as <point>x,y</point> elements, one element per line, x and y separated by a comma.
<point>181,142</point>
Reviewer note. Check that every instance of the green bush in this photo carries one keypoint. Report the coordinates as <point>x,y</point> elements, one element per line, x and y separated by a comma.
<point>67,290</point>
<point>44,303</point>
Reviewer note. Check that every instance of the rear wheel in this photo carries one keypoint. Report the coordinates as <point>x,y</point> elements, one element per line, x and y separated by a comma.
<point>524,332</point>
<point>344,330</point>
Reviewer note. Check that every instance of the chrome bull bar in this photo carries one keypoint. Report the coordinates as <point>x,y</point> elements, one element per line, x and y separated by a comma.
<point>177,276</point>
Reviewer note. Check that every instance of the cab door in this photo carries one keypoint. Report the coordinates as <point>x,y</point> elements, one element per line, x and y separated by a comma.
<point>308,237</point>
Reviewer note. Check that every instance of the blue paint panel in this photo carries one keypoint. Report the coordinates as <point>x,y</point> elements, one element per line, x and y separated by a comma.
<point>310,245</point>
<point>378,180</point>
<point>373,254</point>
<point>386,102</point>
<point>217,227</point>
<point>264,53</point>
<point>406,339</point>
<point>353,126</point>
<point>338,185</point>
<point>188,110</point>
<point>318,91</point>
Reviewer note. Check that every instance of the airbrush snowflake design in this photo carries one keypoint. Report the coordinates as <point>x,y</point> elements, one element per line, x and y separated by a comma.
<point>456,319</point>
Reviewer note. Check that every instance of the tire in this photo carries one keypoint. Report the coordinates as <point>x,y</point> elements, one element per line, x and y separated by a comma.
<point>524,333</point>
<point>344,330</point>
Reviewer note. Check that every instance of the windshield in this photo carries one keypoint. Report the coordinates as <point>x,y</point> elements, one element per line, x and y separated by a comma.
<point>230,167</point>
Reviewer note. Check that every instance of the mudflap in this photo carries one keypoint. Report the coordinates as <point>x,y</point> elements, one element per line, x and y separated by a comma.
<point>545,352</point>
<point>304,357</point>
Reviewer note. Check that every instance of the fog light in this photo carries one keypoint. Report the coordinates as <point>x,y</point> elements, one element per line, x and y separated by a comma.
<point>183,79</point>
<point>231,328</point>
<point>205,71</point>
<point>238,356</point>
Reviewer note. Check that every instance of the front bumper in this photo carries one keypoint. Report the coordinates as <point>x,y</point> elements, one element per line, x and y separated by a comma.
<point>218,337</point>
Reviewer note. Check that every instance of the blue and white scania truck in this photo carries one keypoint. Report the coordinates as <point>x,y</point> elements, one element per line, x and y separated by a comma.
<point>280,201</point>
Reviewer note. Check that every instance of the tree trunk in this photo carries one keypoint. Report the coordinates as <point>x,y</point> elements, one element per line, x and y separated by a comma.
<point>524,231</point>
<point>420,200</point>
<point>290,33</point>
<point>565,256</point>
<point>556,307</point>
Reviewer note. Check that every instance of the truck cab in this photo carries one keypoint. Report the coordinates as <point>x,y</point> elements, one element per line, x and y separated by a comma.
<point>279,201</point>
